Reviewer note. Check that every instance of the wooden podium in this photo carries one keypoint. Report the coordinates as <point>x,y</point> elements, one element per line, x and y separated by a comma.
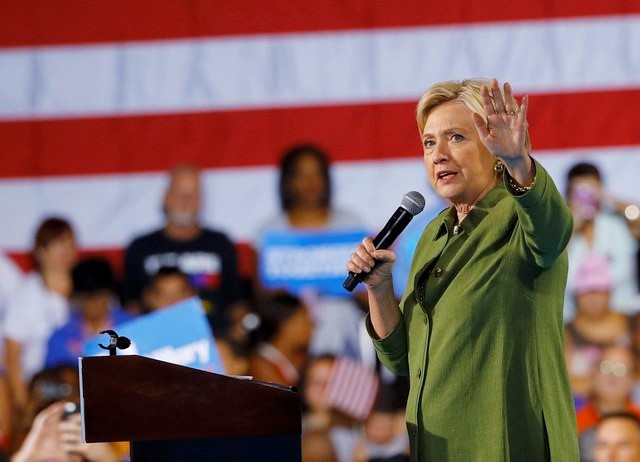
<point>174,413</point>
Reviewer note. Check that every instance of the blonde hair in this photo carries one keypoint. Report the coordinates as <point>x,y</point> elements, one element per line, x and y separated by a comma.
<point>465,91</point>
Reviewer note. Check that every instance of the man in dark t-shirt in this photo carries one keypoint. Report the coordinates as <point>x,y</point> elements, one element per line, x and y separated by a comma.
<point>208,257</point>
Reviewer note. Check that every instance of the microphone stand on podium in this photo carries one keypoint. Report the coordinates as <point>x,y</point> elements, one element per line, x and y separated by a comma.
<point>174,413</point>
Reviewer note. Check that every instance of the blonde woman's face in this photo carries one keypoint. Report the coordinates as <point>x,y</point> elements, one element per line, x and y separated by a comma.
<point>459,166</point>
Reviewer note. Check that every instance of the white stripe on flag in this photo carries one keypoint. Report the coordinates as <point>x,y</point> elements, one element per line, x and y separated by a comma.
<point>108,210</point>
<point>132,202</point>
<point>315,68</point>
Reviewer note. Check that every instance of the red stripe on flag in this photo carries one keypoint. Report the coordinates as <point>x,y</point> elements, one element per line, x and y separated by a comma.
<point>42,22</point>
<point>256,138</point>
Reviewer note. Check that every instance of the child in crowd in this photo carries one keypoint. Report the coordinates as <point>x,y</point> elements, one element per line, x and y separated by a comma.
<point>595,325</point>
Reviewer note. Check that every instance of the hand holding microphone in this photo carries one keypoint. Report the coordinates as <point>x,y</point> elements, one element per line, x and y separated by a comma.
<point>366,257</point>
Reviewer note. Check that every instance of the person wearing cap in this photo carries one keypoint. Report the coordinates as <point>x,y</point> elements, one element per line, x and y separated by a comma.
<point>95,310</point>
<point>599,230</point>
<point>479,330</point>
<point>595,325</point>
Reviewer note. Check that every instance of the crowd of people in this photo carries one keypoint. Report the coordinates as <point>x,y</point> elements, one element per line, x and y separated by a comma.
<point>295,339</point>
<point>602,334</point>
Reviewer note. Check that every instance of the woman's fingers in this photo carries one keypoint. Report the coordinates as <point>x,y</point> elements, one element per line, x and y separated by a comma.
<point>362,259</point>
<point>487,100</point>
<point>498,102</point>
<point>480,124</point>
<point>504,132</point>
<point>384,256</point>
<point>367,243</point>
<point>495,104</point>
<point>497,107</point>
<point>522,116</point>
<point>511,105</point>
<point>366,257</point>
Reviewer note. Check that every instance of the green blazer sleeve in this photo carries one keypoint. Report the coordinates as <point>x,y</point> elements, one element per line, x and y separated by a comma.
<point>546,221</point>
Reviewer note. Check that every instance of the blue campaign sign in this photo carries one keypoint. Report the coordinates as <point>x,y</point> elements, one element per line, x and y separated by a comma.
<point>179,334</point>
<point>299,261</point>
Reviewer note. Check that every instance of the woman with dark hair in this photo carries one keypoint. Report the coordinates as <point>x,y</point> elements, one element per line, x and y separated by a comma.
<point>291,163</point>
<point>305,192</point>
<point>305,197</point>
<point>282,339</point>
<point>39,305</point>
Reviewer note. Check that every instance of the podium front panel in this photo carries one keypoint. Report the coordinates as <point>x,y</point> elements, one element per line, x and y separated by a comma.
<point>133,398</point>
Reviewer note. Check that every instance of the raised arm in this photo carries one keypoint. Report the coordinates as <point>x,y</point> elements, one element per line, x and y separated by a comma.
<point>545,218</point>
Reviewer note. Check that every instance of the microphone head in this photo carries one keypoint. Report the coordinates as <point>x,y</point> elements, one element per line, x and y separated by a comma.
<point>413,202</point>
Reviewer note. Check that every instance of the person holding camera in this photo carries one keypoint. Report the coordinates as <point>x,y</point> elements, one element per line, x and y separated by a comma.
<point>51,430</point>
<point>599,232</point>
<point>56,435</point>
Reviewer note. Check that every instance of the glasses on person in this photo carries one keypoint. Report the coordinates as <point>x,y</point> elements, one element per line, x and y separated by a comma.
<point>615,368</point>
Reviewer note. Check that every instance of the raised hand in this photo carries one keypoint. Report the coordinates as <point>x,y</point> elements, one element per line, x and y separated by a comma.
<point>505,132</point>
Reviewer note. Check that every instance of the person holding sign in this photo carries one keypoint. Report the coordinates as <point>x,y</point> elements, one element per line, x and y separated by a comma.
<point>298,250</point>
<point>206,255</point>
<point>479,330</point>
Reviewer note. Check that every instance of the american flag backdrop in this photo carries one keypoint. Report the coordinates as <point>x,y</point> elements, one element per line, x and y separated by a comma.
<point>99,97</point>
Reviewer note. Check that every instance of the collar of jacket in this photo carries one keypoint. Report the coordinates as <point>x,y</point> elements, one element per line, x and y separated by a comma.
<point>475,216</point>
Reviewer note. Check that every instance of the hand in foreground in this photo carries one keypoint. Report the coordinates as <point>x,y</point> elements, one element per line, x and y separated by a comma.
<point>55,439</point>
<point>71,442</point>
<point>378,263</point>
<point>42,442</point>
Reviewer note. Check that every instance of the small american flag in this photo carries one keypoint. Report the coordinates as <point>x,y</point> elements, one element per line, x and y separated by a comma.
<point>352,388</point>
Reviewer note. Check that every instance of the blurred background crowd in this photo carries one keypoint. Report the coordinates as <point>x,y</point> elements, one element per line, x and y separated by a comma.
<point>152,151</point>
<point>298,339</point>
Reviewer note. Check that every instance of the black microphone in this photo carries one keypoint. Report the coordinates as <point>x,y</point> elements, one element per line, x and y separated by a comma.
<point>411,205</point>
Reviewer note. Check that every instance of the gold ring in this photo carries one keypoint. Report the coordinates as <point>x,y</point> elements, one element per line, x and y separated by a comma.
<point>511,113</point>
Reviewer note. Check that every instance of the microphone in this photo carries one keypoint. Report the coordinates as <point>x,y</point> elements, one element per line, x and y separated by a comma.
<point>411,205</point>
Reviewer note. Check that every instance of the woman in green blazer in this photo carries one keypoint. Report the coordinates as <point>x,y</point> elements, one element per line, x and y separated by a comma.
<point>479,329</point>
